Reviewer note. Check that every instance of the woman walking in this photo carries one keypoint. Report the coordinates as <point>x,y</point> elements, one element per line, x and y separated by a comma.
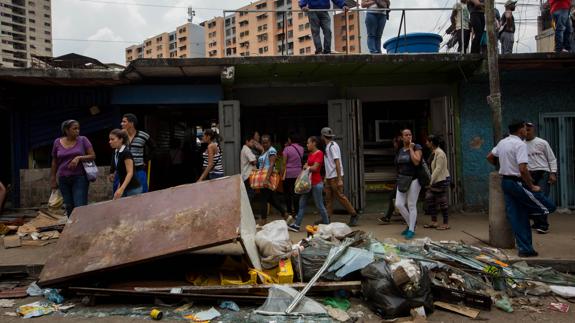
<point>375,23</point>
<point>408,159</point>
<point>436,198</point>
<point>293,154</point>
<point>267,161</point>
<point>213,161</point>
<point>123,165</point>
<point>67,172</point>
<point>314,164</point>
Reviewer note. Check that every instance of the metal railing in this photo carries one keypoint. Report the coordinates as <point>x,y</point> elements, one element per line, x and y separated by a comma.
<point>388,11</point>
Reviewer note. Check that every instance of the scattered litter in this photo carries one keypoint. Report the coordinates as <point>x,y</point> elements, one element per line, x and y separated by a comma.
<point>334,230</point>
<point>230,305</point>
<point>65,308</point>
<point>273,242</point>
<point>559,307</point>
<point>184,308</point>
<point>53,296</point>
<point>337,314</point>
<point>34,290</point>
<point>504,304</point>
<point>279,299</point>
<point>204,316</point>
<point>176,290</point>
<point>36,309</point>
<point>156,314</point>
<point>11,314</point>
<point>7,303</point>
<point>463,310</point>
<point>337,302</point>
<point>563,291</point>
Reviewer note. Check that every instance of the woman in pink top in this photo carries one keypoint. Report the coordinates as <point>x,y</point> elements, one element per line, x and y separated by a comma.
<point>293,155</point>
<point>67,172</point>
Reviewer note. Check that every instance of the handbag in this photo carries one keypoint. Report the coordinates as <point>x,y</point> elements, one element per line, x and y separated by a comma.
<point>404,183</point>
<point>423,174</point>
<point>91,170</point>
<point>258,179</point>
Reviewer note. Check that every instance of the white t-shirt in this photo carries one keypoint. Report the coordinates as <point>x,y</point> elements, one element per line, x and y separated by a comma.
<point>511,151</point>
<point>246,159</point>
<point>541,156</point>
<point>332,152</point>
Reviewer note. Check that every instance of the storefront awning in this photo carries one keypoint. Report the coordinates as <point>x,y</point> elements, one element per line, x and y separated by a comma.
<point>166,94</point>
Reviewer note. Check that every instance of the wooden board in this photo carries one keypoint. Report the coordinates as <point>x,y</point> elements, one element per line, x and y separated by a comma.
<point>463,310</point>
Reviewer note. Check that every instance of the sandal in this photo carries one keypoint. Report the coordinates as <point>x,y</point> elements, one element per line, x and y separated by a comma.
<point>443,227</point>
<point>430,226</point>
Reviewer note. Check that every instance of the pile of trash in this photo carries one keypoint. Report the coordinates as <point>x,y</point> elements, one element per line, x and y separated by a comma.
<point>41,230</point>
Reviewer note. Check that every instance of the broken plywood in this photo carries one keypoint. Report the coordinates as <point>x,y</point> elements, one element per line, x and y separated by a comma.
<point>128,231</point>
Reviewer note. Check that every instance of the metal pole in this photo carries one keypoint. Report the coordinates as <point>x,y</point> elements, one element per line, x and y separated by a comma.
<point>500,234</point>
<point>399,30</point>
<point>463,48</point>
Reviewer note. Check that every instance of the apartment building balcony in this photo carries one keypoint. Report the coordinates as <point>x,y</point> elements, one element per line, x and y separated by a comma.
<point>20,3</point>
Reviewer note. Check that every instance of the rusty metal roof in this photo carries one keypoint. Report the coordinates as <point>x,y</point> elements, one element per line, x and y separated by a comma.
<point>133,230</point>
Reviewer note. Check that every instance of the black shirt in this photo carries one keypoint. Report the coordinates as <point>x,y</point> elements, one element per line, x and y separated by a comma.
<point>475,9</point>
<point>404,164</point>
<point>119,165</point>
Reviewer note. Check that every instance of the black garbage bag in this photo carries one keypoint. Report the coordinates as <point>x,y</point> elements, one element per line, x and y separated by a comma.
<point>391,301</point>
<point>312,258</point>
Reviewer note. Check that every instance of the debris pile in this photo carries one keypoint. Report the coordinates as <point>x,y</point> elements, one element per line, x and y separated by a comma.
<point>185,245</point>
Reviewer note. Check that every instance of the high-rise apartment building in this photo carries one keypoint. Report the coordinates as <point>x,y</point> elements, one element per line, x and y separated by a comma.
<point>185,42</point>
<point>25,31</point>
<point>275,32</point>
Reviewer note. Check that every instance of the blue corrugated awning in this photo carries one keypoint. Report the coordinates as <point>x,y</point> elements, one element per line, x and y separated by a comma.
<point>166,94</point>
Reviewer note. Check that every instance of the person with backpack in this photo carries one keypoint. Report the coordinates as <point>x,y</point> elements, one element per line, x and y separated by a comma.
<point>437,194</point>
<point>293,155</point>
<point>408,159</point>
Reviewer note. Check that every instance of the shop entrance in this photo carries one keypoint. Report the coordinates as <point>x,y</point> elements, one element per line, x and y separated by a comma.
<point>176,131</point>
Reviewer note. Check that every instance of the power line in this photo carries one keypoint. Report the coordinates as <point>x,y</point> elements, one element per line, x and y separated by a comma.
<point>139,4</point>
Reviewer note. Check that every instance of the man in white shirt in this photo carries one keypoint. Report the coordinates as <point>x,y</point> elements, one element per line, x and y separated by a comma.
<point>522,197</point>
<point>334,176</point>
<point>248,163</point>
<point>542,168</point>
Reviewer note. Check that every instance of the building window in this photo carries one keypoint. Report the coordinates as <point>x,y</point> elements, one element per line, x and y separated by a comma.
<point>307,25</point>
<point>47,24</point>
<point>262,37</point>
<point>352,48</point>
<point>32,38</point>
<point>308,50</point>
<point>351,37</point>
<point>48,49</point>
<point>300,15</point>
<point>159,47</point>
<point>32,29</point>
<point>301,27</point>
<point>32,4</point>
<point>159,39</point>
<point>47,7</point>
<point>47,41</point>
<point>243,23</point>
<point>350,27</point>
<point>183,48</point>
<point>32,12</point>
<point>47,33</point>
<point>302,51</point>
<point>32,21</point>
<point>262,17</point>
<point>47,16</point>
<point>261,5</point>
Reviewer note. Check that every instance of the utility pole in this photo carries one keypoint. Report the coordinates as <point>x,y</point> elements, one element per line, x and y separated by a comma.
<point>500,234</point>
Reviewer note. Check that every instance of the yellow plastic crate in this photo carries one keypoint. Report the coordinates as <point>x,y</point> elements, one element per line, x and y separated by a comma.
<point>282,273</point>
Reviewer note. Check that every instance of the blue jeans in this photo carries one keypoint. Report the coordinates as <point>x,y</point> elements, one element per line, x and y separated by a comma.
<point>519,204</point>
<point>140,175</point>
<point>74,190</point>
<point>132,191</point>
<point>214,176</point>
<point>317,193</point>
<point>562,30</point>
<point>374,24</point>
<point>541,179</point>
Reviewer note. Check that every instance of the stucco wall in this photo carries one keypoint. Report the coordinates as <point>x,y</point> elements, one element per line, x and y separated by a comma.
<point>524,97</point>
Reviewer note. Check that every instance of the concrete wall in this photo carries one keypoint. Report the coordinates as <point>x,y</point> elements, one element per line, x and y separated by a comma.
<point>524,97</point>
<point>35,187</point>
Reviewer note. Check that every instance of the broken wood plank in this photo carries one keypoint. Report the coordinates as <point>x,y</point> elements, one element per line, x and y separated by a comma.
<point>233,289</point>
<point>463,310</point>
<point>121,292</point>
<point>12,241</point>
<point>18,292</point>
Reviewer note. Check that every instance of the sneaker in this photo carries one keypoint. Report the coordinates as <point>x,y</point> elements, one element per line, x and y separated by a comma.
<point>384,219</point>
<point>542,231</point>
<point>409,235</point>
<point>528,254</point>
<point>353,221</point>
<point>404,232</point>
<point>293,228</point>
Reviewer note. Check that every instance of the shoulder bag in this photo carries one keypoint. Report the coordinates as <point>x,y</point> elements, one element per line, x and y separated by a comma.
<point>404,183</point>
<point>423,174</point>
<point>90,167</point>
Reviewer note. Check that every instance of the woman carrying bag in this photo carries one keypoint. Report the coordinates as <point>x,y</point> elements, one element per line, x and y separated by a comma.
<point>293,155</point>
<point>313,165</point>
<point>436,196</point>
<point>67,173</point>
<point>123,165</point>
<point>408,160</point>
<point>266,165</point>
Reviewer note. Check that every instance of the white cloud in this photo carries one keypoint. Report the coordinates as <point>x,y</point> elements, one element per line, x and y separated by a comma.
<point>84,20</point>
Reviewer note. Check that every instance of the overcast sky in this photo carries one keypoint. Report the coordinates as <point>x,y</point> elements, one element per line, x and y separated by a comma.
<point>104,28</point>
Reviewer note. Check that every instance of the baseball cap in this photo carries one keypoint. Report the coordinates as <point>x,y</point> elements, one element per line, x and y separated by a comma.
<point>327,132</point>
<point>510,2</point>
<point>530,124</point>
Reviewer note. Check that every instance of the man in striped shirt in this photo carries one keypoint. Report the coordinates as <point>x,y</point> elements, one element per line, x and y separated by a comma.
<point>139,141</point>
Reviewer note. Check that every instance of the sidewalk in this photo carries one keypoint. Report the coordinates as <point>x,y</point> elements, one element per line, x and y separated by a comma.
<point>556,245</point>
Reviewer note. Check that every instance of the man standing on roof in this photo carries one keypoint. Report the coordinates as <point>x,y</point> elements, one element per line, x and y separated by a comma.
<point>507,30</point>
<point>560,13</point>
<point>140,145</point>
<point>334,176</point>
<point>477,21</point>
<point>522,197</point>
<point>319,19</point>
